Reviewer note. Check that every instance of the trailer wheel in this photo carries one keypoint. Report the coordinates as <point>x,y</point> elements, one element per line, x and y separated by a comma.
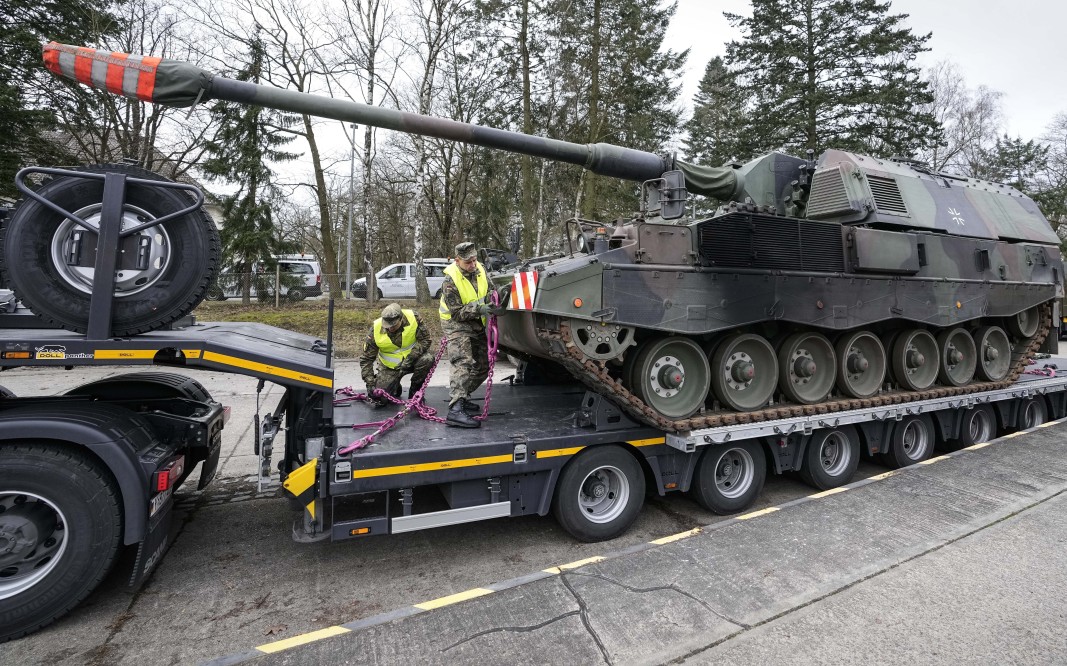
<point>831,458</point>
<point>977,425</point>
<point>1032,413</point>
<point>599,493</point>
<point>912,441</point>
<point>49,260</point>
<point>60,530</point>
<point>729,477</point>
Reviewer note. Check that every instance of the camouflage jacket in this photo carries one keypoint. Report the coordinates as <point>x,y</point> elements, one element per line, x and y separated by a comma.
<point>370,347</point>
<point>465,318</point>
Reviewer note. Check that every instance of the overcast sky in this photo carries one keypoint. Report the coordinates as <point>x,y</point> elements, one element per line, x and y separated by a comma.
<point>1017,47</point>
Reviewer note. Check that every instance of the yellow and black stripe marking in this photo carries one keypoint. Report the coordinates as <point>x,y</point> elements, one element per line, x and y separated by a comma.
<point>441,602</point>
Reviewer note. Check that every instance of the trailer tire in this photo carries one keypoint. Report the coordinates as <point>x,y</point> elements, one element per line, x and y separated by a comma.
<point>831,457</point>
<point>49,489</point>
<point>912,442</point>
<point>1032,413</point>
<point>976,426</point>
<point>599,493</point>
<point>729,477</point>
<point>166,289</point>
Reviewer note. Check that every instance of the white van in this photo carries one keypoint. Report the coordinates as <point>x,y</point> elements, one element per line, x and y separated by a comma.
<point>398,280</point>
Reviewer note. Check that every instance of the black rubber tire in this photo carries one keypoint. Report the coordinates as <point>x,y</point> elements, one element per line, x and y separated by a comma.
<point>380,297</point>
<point>83,491</point>
<point>295,295</point>
<point>437,296</point>
<point>905,434</point>
<point>971,430</point>
<point>5,392</point>
<point>214,294</point>
<point>567,507</point>
<point>704,490</point>
<point>813,469</point>
<point>26,262</point>
<point>1032,413</point>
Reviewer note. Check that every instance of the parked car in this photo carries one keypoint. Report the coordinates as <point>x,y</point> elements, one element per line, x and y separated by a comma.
<point>398,280</point>
<point>301,276</point>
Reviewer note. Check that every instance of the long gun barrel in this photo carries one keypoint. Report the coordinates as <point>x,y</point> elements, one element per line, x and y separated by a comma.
<point>181,84</point>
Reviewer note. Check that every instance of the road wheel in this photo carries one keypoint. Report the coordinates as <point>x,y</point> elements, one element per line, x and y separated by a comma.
<point>295,295</point>
<point>912,441</point>
<point>671,376</point>
<point>60,530</point>
<point>744,372</point>
<point>861,364</point>
<point>977,425</point>
<point>729,477</point>
<point>993,352</point>
<point>958,357</point>
<point>599,493</point>
<point>49,260</point>
<point>806,365</point>
<point>831,458</point>
<point>914,360</point>
<point>1024,324</point>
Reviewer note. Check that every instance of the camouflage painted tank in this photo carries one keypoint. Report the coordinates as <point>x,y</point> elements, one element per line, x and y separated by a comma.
<point>821,286</point>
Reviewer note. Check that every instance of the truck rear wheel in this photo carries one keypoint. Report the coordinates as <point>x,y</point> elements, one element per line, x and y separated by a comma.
<point>599,493</point>
<point>60,531</point>
<point>912,441</point>
<point>976,426</point>
<point>729,477</point>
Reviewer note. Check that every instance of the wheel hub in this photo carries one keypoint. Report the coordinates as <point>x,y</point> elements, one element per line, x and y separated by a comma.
<point>991,353</point>
<point>954,356</point>
<point>144,257</point>
<point>915,359</point>
<point>595,488</point>
<point>857,363</point>
<point>804,367</point>
<point>668,376</point>
<point>21,528</point>
<point>741,370</point>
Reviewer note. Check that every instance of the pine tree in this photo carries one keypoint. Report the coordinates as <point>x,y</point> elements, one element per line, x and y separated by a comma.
<point>29,94</point>
<point>832,74</point>
<point>1014,162</point>
<point>248,139</point>
<point>716,129</point>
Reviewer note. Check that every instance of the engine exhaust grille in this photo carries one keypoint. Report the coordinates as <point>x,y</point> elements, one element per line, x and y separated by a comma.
<point>829,197</point>
<point>887,197</point>
<point>749,240</point>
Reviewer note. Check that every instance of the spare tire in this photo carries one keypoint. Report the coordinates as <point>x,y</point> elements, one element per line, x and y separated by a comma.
<point>49,260</point>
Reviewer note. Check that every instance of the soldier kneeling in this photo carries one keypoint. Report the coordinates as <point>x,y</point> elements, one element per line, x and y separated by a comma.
<point>396,345</point>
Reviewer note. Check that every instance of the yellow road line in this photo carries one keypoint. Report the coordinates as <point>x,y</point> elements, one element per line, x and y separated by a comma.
<point>757,514</point>
<point>302,639</point>
<point>827,493</point>
<point>454,598</point>
<point>574,565</point>
<point>677,537</point>
<point>975,447</point>
<point>931,461</point>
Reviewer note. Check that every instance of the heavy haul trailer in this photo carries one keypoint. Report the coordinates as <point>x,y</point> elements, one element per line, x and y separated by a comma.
<point>96,466</point>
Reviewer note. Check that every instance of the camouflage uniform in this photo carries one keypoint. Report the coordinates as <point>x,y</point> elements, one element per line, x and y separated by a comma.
<point>468,349</point>
<point>417,362</point>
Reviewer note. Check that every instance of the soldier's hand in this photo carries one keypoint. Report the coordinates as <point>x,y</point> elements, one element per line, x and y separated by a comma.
<point>483,308</point>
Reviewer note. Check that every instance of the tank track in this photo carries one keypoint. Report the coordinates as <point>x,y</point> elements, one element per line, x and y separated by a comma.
<point>594,375</point>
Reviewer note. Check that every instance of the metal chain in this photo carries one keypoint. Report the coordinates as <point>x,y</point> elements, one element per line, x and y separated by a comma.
<point>349,395</point>
<point>594,375</point>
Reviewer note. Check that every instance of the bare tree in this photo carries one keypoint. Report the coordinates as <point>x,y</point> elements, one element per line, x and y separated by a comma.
<point>969,120</point>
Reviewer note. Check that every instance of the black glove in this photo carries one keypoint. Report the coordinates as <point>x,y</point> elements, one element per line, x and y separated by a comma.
<point>483,308</point>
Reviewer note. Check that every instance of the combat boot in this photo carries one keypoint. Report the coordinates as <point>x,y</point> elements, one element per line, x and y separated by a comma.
<point>460,419</point>
<point>471,407</point>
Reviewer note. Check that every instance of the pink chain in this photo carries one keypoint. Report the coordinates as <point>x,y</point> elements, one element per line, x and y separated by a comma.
<point>349,395</point>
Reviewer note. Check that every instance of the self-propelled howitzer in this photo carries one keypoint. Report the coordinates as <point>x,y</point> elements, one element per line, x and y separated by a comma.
<point>820,285</point>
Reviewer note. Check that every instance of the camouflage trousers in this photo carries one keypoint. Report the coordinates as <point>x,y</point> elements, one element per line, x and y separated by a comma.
<point>468,356</point>
<point>388,379</point>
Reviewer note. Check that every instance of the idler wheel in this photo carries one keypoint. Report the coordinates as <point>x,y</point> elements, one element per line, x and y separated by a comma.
<point>914,359</point>
<point>600,341</point>
<point>958,358</point>
<point>994,353</point>
<point>671,376</point>
<point>861,364</point>
<point>1024,324</point>
<point>806,363</point>
<point>744,372</point>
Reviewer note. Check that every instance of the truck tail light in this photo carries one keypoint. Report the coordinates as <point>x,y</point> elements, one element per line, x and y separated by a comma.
<point>169,474</point>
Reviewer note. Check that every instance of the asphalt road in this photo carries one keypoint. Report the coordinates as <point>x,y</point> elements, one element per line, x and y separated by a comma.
<point>234,578</point>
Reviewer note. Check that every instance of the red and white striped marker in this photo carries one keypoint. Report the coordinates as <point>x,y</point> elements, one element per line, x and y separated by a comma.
<point>523,290</point>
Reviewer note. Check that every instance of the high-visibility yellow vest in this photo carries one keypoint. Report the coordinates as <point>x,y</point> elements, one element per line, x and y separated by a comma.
<point>389,354</point>
<point>467,292</point>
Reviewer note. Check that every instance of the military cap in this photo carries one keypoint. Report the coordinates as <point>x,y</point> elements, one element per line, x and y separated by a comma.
<point>391,314</point>
<point>466,250</point>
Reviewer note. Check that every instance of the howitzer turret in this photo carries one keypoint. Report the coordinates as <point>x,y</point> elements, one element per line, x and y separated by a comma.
<point>819,286</point>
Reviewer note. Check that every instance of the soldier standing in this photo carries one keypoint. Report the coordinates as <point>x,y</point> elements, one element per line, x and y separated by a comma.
<point>397,344</point>
<point>463,312</point>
